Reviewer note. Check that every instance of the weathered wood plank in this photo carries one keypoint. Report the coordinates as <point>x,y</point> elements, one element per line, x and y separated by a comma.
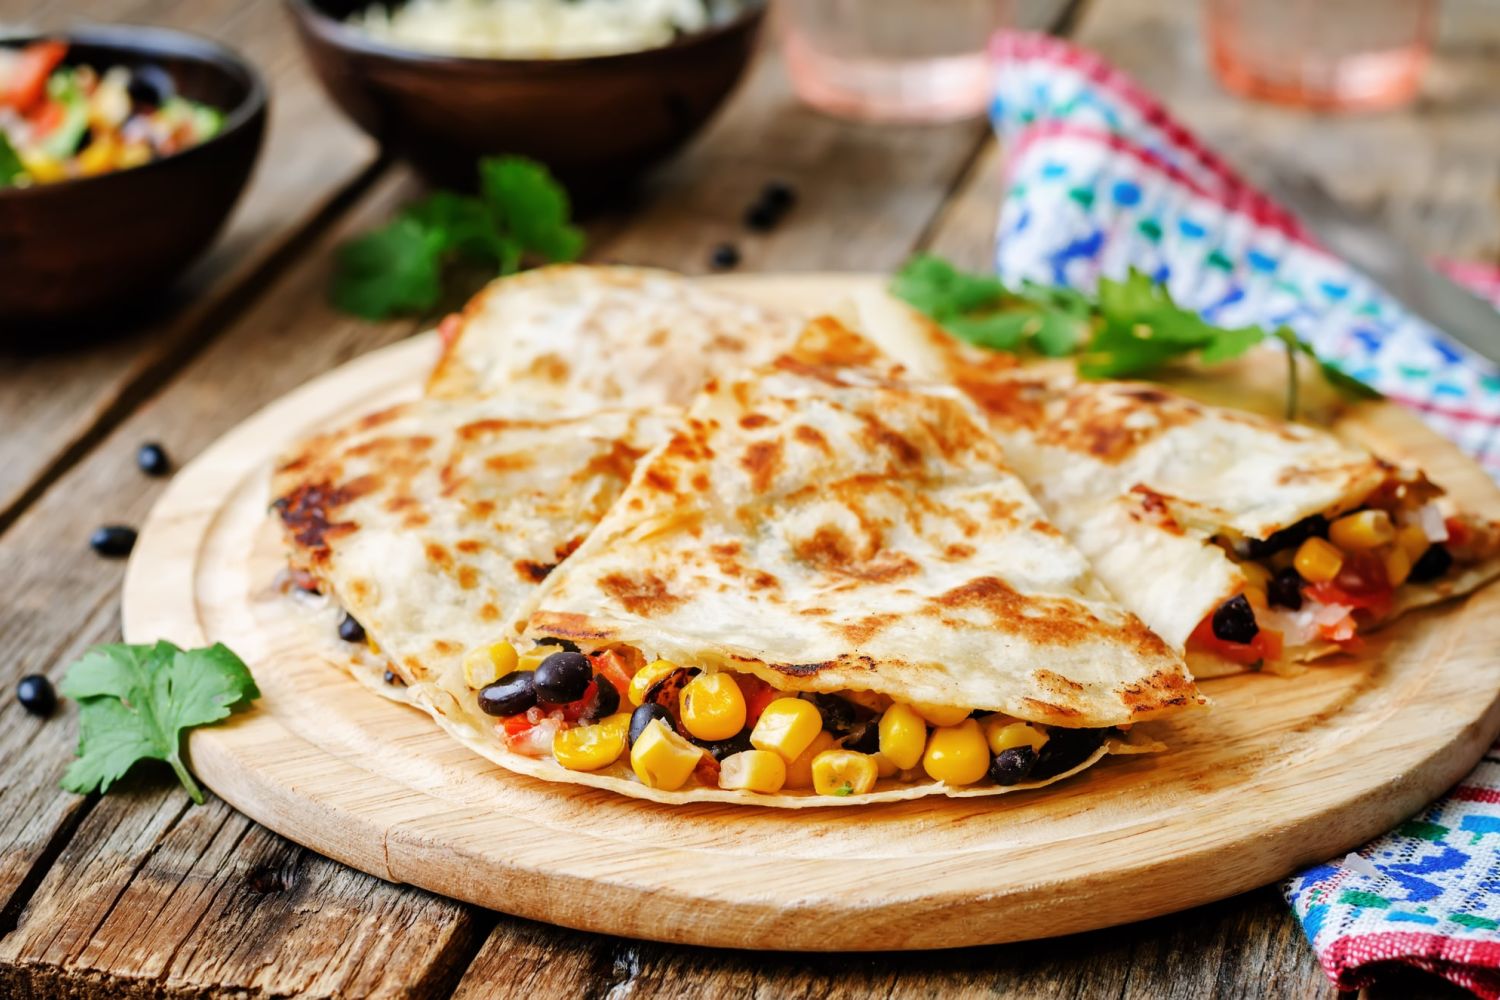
<point>1432,171</point>
<point>54,404</point>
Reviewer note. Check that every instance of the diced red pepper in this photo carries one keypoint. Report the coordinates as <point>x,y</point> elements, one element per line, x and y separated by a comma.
<point>707,771</point>
<point>573,710</point>
<point>1458,531</point>
<point>612,665</point>
<point>514,725</point>
<point>758,694</point>
<point>26,84</point>
<point>1267,644</point>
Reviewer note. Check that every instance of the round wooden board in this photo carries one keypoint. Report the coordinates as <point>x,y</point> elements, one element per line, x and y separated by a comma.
<point>1280,773</point>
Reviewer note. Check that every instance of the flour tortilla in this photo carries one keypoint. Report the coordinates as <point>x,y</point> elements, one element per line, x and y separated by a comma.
<point>1141,478</point>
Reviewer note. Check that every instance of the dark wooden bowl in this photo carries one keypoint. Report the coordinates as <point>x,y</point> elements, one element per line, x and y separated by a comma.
<point>597,122</point>
<point>72,251</point>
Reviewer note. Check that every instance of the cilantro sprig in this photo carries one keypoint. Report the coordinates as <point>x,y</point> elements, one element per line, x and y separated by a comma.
<point>1128,329</point>
<point>11,167</point>
<point>135,702</point>
<point>521,213</point>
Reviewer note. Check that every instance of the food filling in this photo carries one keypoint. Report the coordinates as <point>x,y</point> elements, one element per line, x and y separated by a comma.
<point>676,725</point>
<point>1320,581</point>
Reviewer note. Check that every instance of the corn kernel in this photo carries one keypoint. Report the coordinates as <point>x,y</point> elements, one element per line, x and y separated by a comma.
<point>713,708</point>
<point>957,755</point>
<point>1397,565</point>
<point>44,169</point>
<point>799,771</point>
<point>532,658</point>
<point>1412,540</point>
<point>488,664</point>
<point>662,759</point>
<point>1256,576</point>
<point>843,772</point>
<point>787,726</point>
<point>940,715</point>
<point>1257,598</point>
<point>884,767</point>
<point>1364,529</point>
<point>1317,561</point>
<point>903,736</point>
<point>646,677</point>
<point>1002,734</point>
<point>588,748</point>
<point>753,770</point>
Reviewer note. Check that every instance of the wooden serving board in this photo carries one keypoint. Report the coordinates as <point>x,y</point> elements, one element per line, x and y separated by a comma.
<point>1279,773</point>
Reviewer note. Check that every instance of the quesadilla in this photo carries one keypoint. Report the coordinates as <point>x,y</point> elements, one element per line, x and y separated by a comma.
<point>572,339</point>
<point>825,586</point>
<point>1243,540</point>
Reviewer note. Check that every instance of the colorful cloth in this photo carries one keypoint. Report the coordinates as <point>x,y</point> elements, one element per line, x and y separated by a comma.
<point>1099,179</point>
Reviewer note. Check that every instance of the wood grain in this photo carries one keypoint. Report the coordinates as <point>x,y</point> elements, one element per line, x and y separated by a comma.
<point>1264,783</point>
<point>54,404</point>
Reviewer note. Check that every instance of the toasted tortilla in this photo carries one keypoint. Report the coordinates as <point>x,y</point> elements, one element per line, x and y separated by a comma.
<point>433,522</point>
<point>572,339</point>
<point>1142,479</point>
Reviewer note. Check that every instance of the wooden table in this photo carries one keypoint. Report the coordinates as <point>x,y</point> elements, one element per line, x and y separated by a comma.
<point>142,893</point>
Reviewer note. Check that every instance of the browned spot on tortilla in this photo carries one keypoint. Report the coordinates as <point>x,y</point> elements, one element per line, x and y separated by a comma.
<point>482,509</point>
<point>659,479</point>
<point>373,420</point>
<point>877,434</point>
<point>1003,511</point>
<point>832,551</point>
<point>1161,689</point>
<point>728,344</point>
<point>1011,402</point>
<point>446,648</point>
<point>958,551</point>
<point>750,421</point>
<point>1055,681</point>
<point>400,502</point>
<point>511,462</point>
<point>700,482</point>
<point>815,612</point>
<point>468,577</point>
<point>761,580</point>
<point>812,437</point>
<point>310,511</point>
<point>863,629</point>
<point>657,337</point>
<point>488,612</point>
<point>1153,510</point>
<point>534,572</point>
<point>567,625</point>
<point>415,519</point>
<point>469,546</point>
<point>616,463</point>
<point>439,555</point>
<point>645,594</point>
<point>359,591</point>
<point>762,459</point>
<point>551,367</point>
<point>396,446</point>
<point>1046,708</point>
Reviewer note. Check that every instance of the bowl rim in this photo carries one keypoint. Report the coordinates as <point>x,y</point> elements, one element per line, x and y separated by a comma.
<point>148,39</point>
<point>340,34</point>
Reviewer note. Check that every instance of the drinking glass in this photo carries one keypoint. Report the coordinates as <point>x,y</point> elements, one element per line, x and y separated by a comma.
<point>891,60</point>
<point>1326,54</point>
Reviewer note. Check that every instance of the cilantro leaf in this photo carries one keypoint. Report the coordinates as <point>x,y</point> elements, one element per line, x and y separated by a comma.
<point>11,168</point>
<point>521,212</point>
<point>134,702</point>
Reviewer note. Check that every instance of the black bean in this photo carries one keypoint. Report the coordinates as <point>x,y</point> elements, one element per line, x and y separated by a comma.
<point>391,677</point>
<point>563,677</point>
<point>667,692</point>
<point>1315,526</point>
<point>719,749</point>
<point>1064,750</point>
<point>1433,563</point>
<point>85,138</point>
<point>779,195</point>
<point>1285,590</point>
<point>838,714</point>
<point>641,718</point>
<point>725,257</point>
<point>1234,621</point>
<point>510,695</point>
<point>1013,766</point>
<point>113,540</point>
<point>150,85</point>
<point>35,694</point>
<point>864,737</point>
<point>152,459</point>
<point>351,630</point>
<point>567,645</point>
<point>761,217</point>
<point>606,701</point>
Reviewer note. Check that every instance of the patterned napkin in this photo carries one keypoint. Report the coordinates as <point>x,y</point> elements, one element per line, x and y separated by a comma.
<point>1099,178</point>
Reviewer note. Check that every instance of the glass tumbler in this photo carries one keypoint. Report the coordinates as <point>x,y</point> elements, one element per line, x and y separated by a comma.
<point>1326,54</point>
<point>891,60</point>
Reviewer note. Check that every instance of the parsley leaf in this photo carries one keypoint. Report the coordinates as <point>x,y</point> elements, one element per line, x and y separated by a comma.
<point>134,702</point>
<point>1129,328</point>
<point>11,168</point>
<point>520,212</point>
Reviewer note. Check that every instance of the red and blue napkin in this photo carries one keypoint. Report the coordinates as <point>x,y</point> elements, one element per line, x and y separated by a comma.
<point>1099,178</point>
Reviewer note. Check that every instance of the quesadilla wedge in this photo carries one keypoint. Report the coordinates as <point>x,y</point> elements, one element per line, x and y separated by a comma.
<point>432,523</point>
<point>1243,540</point>
<point>572,339</point>
<point>825,587</point>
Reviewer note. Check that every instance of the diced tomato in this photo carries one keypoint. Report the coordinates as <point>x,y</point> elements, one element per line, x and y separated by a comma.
<point>573,710</point>
<point>1266,645</point>
<point>47,116</point>
<point>1458,531</point>
<point>612,665</point>
<point>707,771</point>
<point>27,82</point>
<point>758,694</point>
<point>516,724</point>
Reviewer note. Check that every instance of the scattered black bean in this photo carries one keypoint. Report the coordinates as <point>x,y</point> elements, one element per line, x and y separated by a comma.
<point>1234,621</point>
<point>510,695</point>
<point>567,645</point>
<point>606,701</point>
<point>864,737</point>
<point>1315,526</point>
<point>838,714</point>
<point>563,677</point>
<point>113,540</point>
<point>1064,750</point>
<point>667,692</point>
<point>779,195</point>
<point>1013,766</point>
<point>152,459</point>
<point>1285,590</point>
<point>719,749</point>
<point>35,694</point>
<point>85,139</point>
<point>725,257</point>
<point>761,217</point>
<point>1433,563</point>
<point>150,85</point>
<point>351,630</point>
<point>641,718</point>
<point>391,677</point>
